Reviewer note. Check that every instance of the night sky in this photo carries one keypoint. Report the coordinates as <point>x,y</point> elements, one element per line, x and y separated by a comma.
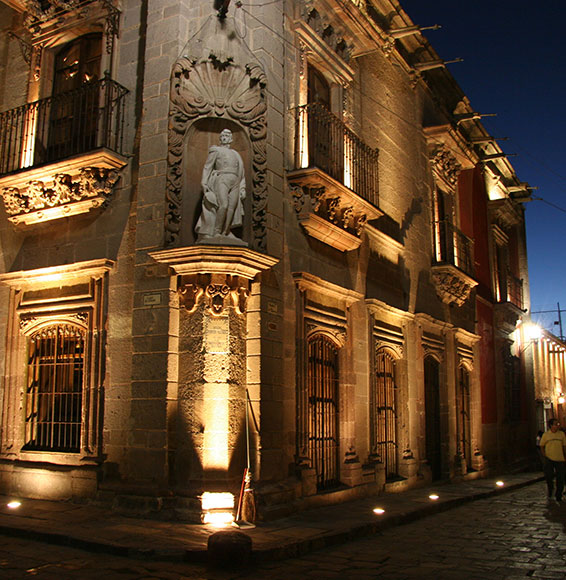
<point>514,66</point>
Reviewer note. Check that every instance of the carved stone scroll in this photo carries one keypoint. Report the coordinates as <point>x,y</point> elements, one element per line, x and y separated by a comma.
<point>217,292</point>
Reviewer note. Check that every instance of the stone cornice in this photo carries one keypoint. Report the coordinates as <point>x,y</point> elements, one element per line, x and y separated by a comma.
<point>310,282</point>
<point>237,261</point>
<point>55,274</point>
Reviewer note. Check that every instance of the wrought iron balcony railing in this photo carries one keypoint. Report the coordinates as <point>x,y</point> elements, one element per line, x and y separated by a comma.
<point>325,142</point>
<point>62,126</point>
<point>453,247</point>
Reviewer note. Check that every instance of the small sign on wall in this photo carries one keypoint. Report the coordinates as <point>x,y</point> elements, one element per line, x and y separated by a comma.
<point>152,299</point>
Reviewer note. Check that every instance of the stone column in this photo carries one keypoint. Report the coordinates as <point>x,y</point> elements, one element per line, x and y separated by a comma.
<point>213,286</point>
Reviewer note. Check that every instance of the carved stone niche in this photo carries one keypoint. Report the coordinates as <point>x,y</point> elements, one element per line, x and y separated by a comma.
<point>452,285</point>
<point>328,210</point>
<point>217,83</point>
<point>62,189</point>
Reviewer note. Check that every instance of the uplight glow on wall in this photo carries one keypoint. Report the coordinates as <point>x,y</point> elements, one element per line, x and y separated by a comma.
<point>216,426</point>
<point>28,149</point>
<point>303,141</point>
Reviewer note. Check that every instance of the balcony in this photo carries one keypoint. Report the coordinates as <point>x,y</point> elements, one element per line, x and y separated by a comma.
<point>59,156</point>
<point>453,268</point>
<point>335,180</point>
<point>510,304</point>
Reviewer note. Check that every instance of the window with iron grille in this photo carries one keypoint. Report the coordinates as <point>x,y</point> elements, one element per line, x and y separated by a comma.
<point>322,435</point>
<point>383,413</point>
<point>463,416</point>
<point>55,389</point>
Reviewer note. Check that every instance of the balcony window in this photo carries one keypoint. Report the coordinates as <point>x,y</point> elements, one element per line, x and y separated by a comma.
<point>84,113</point>
<point>452,247</point>
<point>323,141</point>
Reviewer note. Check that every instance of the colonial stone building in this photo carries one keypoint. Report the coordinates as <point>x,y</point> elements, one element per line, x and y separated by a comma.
<point>331,296</point>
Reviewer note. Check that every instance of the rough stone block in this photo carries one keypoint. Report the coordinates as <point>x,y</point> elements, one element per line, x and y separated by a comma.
<point>229,549</point>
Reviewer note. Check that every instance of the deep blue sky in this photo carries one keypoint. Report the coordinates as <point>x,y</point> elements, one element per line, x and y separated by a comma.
<point>514,65</point>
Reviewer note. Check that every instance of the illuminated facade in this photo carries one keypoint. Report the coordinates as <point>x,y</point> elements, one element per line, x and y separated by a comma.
<point>358,334</point>
<point>549,366</point>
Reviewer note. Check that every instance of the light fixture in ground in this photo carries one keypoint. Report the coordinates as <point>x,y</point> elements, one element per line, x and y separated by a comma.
<point>379,511</point>
<point>217,508</point>
<point>433,496</point>
<point>499,483</point>
<point>14,504</point>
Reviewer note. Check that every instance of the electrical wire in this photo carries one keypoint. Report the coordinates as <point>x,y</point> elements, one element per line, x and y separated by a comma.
<point>372,99</point>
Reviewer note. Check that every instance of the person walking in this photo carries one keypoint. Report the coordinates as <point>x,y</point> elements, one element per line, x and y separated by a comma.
<point>553,447</point>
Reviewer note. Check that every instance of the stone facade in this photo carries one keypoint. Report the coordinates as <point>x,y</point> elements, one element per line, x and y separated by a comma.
<point>365,339</point>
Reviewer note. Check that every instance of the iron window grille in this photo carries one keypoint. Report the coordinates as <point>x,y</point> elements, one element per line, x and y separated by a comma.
<point>54,393</point>
<point>383,414</point>
<point>322,388</point>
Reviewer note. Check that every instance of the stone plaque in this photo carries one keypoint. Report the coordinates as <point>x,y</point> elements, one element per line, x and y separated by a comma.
<point>217,338</point>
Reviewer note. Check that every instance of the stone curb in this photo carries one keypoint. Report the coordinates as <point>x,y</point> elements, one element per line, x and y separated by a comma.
<point>290,550</point>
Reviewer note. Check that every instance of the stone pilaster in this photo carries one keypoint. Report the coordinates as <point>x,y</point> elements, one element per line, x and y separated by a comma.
<point>213,286</point>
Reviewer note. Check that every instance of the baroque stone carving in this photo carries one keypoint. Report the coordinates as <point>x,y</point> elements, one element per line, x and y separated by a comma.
<point>382,345</point>
<point>80,318</point>
<point>340,212</point>
<point>40,12</point>
<point>214,84</point>
<point>332,37</point>
<point>445,164</point>
<point>215,293</point>
<point>452,287</point>
<point>94,185</point>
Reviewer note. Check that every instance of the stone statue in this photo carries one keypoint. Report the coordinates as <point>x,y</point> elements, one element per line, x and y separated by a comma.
<point>224,189</point>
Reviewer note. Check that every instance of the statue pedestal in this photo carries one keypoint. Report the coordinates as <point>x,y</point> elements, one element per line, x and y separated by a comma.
<point>209,430</point>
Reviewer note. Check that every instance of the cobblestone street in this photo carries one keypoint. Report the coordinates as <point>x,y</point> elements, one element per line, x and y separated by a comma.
<point>513,535</point>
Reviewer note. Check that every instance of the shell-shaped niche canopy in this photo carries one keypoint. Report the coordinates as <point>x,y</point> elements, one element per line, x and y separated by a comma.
<point>217,77</point>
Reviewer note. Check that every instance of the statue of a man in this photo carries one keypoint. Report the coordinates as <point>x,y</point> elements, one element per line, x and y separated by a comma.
<point>224,189</point>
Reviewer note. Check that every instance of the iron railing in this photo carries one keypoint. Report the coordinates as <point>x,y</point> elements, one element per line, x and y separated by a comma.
<point>453,247</point>
<point>57,127</point>
<point>324,141</point>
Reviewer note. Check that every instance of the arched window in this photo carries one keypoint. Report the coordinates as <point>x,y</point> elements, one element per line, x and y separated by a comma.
<point>383,413</point>
<point>55,389</point>
<point>322,391</point>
